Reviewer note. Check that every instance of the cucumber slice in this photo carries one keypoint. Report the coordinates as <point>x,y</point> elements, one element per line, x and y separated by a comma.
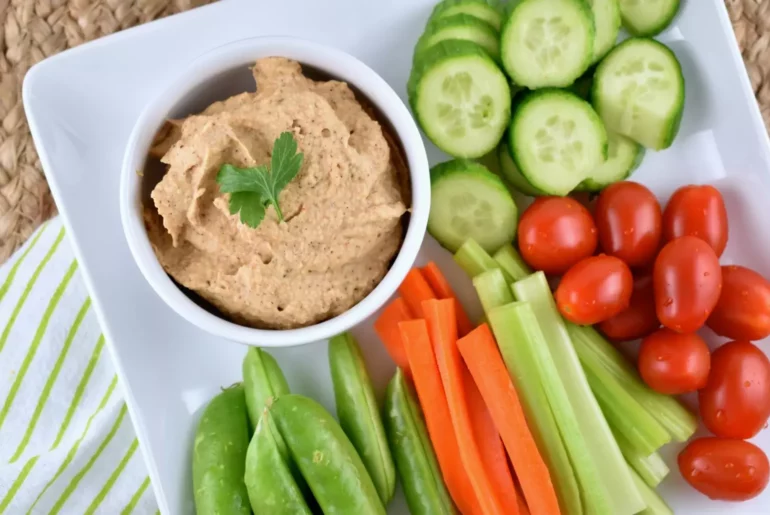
<point>624,155</point>
<point>511,172</point>
<point>478,8</point>
<point>547,42</point>
<point>469,201</point>
<point>647,17</point>
<point>460,98</point>
<point>607,23</point>
<point>556,140</point>
<point>639,92</point>
<point>460,26</point>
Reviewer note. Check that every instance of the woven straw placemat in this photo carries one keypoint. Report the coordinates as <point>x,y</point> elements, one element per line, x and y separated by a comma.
<point>34,29</point>
<point>31,30</point>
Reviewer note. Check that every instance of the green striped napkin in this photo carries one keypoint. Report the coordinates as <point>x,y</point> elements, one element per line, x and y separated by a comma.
<point>66,442</point>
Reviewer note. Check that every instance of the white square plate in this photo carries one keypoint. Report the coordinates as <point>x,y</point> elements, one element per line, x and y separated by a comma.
<point>82,105</point>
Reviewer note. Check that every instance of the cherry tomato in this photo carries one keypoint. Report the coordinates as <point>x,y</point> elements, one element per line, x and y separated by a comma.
<point>628,219</point>
<point>687,282</point>
<point>736,400</point>
<point>674,363</point>
<point>724,469</point>
<point>595,289</point>
<point>639,319</point>
<point>743,310</point>
<point>555,233</point>
<point>697,211</point>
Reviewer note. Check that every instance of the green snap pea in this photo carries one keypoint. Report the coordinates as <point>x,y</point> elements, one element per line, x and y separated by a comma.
<point>219,456</point>
<point>263,381</point>
<point>359,414</point>
<point>416,461</point>
<point>325,456</point>
<point>269,481</point>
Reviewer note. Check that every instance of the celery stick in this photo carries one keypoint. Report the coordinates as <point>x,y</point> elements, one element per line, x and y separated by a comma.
<point>655,503</point>
<point>475,260</point>
<point>526,377</point>
<point>492,289</point>
<point>652,469</point>
<point>519,332</point>
<point>511,262</point>
<point>596,352</point>
<point>625,414</point>
<point>613,469</point>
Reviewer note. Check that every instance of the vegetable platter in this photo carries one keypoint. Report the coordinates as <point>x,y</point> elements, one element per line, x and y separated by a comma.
<point>718,141</point>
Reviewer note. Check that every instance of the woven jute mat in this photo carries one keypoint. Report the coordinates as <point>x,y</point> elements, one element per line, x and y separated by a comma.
<point>31,30</point>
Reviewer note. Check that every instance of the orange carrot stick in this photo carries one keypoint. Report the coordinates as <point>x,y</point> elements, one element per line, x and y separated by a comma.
<point>490,445</point>
<point>430,392</point>
<point>386,327</point>
<point>523,508</point>
<point>442,325</point>
<point>414,290</point>
<point>480,352</point>
<point>441,288</point>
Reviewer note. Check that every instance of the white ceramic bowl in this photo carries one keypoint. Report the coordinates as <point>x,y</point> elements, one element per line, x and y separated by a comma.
<point>224,72</point>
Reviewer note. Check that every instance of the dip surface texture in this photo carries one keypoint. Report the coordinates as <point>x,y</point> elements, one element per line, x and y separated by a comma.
<point>342,211</point>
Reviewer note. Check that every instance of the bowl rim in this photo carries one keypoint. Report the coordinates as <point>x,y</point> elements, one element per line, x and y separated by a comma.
<point>336,63</point>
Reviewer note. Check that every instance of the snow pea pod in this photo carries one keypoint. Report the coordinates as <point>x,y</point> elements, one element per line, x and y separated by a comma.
<point>359,414</point>
<point>219,456</point>
<point>328,461</point>
<point>269,480</point>
<point>263,380</point>
<point>416,461</point>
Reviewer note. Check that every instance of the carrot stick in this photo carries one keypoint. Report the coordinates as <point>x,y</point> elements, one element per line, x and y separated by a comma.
<point>480,352</point>
<point>386,327</point>
<point>430,392</point>
<point>414,290</point>
<point>442,325</point>
<point>523,508</point>
<point>441,288</point>
<point>490,445</point>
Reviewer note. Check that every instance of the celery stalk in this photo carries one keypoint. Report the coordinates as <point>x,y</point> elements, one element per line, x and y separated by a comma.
<point>517,323</point>
<point>655,503</point>
<point>625,414</point>
<point>510,261</point>
<point>651,468</point>
<point>613,469</point>
<point>492,289</point>
<point>597,353</point>
<point>475,260</point>
<point>529,383</point>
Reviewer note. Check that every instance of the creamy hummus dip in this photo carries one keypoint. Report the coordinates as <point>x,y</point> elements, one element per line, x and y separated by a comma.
<point>343,211</point>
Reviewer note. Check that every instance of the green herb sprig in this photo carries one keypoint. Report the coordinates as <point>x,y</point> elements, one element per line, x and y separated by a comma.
<point>253,189</point>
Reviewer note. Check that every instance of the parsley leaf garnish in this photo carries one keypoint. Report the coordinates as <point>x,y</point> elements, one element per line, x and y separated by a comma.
<point>253,189</point>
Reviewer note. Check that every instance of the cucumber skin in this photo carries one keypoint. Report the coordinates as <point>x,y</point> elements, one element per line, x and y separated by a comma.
<point>464,166</point>
<point>673,127</point>
<point>436,25</point>
<point>587,60</point>
<point>435,55</point>
<point>518,182</point>
<point>653,30</point>
<point>594,187</point>
<point>533,95</point>
<point>494,16</point>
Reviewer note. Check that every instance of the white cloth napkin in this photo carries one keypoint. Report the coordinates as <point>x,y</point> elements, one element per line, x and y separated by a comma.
<point>66,441</point>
